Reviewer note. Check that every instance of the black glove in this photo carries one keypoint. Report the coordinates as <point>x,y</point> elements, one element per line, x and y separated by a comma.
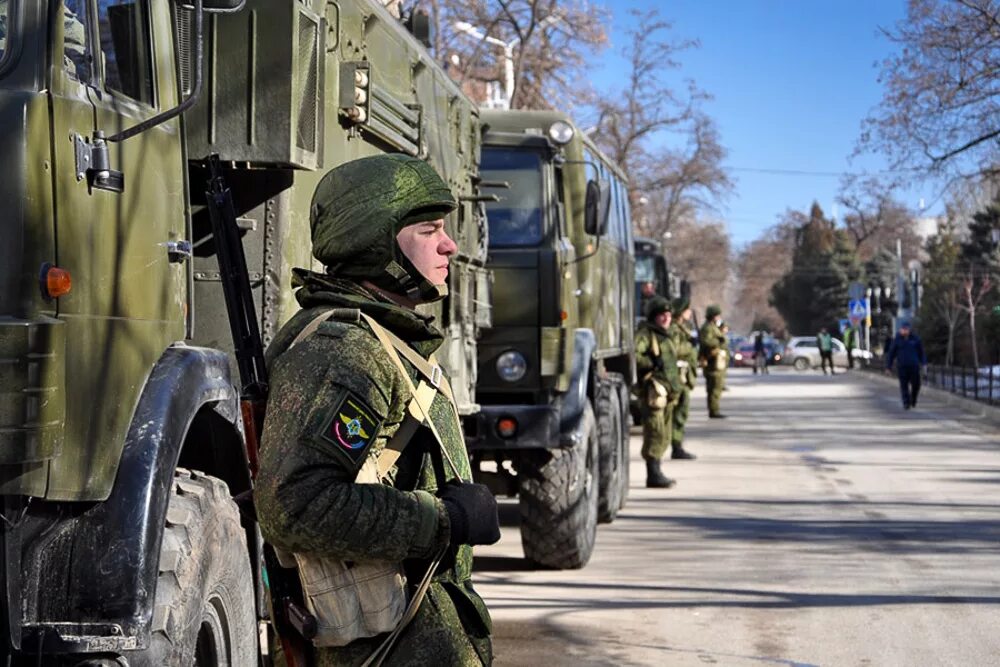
<point>658,364</point>
<point>472,513</point>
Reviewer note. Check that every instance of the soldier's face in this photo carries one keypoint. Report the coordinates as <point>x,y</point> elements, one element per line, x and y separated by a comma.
<point>429,248</point>
<point>663,319</point>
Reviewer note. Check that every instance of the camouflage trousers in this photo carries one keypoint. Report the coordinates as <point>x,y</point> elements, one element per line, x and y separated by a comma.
<point>656,428</point>
<point>714,382</point>
<point>436,636</point>
<point>680,418</point>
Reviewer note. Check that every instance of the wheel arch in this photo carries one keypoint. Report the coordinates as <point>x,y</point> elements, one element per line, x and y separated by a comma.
<point>96,570</point>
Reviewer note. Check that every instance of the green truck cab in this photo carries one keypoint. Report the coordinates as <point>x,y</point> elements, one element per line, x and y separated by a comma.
<point>555,367</point>
<point>653,275</point>
<point>121,443</point>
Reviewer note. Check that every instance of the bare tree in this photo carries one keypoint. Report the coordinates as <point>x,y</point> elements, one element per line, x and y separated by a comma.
<point>689,181</point>
<point>700,251</point>
<point>630,117</point>
<point>551,42</point>
<point>939,110</point>
<point>974,289</point>
<point>759,266</point>
<point>875,219</point>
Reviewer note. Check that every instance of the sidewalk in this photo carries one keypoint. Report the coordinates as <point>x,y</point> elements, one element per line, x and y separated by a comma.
<point>969,410</point>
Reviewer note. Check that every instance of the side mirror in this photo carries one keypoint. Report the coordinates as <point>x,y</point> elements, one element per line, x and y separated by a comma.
<point>419,25</point>
<point>596,207</point>
<point>219,6</point>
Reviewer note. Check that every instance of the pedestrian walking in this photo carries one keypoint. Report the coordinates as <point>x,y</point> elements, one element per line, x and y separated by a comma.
<point>825,342</point>
<point>759,354</point>
<point>687,361</point>
<point>907,351</point>
<point>660,387</point>
<point>364,476</point>
<point>713,358</point>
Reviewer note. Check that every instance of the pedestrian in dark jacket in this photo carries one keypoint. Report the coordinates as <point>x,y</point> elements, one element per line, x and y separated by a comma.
<point>908,353</point>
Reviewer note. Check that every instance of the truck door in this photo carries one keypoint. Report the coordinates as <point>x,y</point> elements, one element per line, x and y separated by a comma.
<point>114,66</point>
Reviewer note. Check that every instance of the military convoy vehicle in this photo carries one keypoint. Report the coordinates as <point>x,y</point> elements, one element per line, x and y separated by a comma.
<point>121,444</point>
<point>555,367</point>
<point>654,276</point>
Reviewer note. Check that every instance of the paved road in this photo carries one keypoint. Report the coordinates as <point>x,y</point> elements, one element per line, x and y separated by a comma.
<point>821,525</point>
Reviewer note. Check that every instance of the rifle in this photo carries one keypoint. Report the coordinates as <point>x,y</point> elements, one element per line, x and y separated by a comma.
<point>292,622</point>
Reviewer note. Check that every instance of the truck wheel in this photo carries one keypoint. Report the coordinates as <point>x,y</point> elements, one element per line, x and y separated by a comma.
<point>610,433</point>
<point>801,364</point>
<point>204,612</point>
<point>626,444</point>
<point>558,502</point>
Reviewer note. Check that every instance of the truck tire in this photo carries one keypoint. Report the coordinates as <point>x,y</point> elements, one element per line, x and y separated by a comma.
<point>610,434</point>
<point>558,503</point>
<point>623,396</point>
<point>204,612</point>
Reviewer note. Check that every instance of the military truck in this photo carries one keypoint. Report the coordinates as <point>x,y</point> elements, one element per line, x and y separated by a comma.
<point>121,443</point>
<point>555,367</point>
<point>653,275</point>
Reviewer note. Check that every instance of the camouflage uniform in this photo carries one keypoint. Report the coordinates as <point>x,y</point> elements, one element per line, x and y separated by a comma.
<point>712,344</point>
<point>656,422</point>
<point>307,501</point>
<point>687,361</point>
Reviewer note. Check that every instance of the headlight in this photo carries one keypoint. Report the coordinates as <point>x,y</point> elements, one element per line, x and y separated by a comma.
<point>560,132</point>
<point>511,366</point>
<point>738,357</point>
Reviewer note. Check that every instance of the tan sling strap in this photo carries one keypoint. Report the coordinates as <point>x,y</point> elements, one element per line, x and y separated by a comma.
<point>419,406</point>
<point>423,395</point>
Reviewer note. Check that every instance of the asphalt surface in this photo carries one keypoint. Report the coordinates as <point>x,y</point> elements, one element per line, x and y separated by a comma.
<point>820,525</point>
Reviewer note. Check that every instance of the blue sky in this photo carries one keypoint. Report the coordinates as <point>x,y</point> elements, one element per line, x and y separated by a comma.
<point>791,82</point>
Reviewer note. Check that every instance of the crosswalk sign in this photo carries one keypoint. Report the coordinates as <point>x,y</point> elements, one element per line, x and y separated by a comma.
<point>856,310</point>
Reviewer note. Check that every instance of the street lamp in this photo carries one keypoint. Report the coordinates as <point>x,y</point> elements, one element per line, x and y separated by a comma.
<point>508,55</point>
<point>508,51</point>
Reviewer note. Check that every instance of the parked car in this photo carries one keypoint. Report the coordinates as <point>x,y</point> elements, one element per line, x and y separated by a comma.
<point>802,352</point>
<point>742,355</point>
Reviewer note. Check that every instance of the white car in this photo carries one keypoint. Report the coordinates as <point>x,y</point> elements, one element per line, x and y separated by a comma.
<point>802,352</point>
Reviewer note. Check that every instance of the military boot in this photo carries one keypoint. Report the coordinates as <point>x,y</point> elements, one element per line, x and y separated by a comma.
<point>678,452</point>
<point>655,479</point>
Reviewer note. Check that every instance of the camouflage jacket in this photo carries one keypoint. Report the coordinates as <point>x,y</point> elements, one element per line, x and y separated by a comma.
<point>644,356</point>
<point>687,357</point>
<point>712,342</point>
<point>336,398</point>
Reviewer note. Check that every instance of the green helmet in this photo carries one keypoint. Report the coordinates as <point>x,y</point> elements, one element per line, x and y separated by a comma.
<point>679,305</point>
<point>358,209</point>
<point>656,306</point>
<point>712,312</point>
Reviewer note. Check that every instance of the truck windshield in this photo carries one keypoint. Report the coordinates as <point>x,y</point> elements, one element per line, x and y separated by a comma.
<point>645,269</point>
<point>515,220</point>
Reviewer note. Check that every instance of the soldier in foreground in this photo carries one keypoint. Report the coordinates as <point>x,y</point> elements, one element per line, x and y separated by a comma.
<point>687,360</point>
<point>352,472</point>
<point>713,358</point>
<point>656,363</point>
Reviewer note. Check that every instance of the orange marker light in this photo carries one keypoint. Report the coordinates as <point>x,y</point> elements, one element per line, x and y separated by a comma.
<point>506,427</point>
<point>56,282</point>
<point>563,315</point>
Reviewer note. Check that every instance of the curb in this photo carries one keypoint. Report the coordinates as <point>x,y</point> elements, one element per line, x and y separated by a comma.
<point>989,414</point>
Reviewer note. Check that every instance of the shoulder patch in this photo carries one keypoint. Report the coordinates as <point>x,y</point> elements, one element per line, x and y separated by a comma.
<point>351,428</point>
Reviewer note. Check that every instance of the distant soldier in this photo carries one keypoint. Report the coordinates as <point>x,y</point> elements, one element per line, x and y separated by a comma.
<point>713,358</point>
<point>660,388</point>
<point>682,336</point>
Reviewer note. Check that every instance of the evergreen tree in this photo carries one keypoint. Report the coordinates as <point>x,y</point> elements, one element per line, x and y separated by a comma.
<point>813,293</point>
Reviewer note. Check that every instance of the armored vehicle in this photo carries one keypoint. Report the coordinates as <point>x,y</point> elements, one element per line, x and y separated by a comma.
<point>121,443</point>
<point>555,367</point>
